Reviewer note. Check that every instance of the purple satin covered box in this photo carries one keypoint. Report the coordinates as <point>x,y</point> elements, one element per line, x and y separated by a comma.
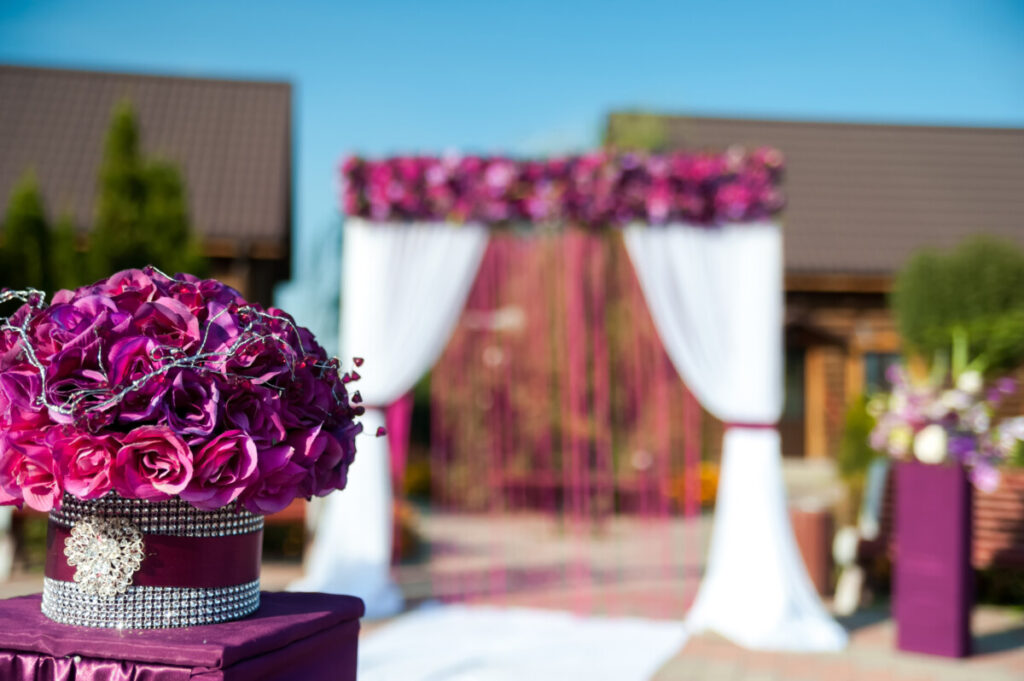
<point>307,636</point>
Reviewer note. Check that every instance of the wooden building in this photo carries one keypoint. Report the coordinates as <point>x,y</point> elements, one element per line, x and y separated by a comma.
<point>860,199</point>
<point>231,139</point>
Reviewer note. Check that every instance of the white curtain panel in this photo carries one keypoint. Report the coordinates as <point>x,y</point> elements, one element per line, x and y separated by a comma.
<point>716,297</point>
<point>403,288</point>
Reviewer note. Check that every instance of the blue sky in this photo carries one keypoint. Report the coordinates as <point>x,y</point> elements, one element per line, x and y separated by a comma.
<point>536,77</point>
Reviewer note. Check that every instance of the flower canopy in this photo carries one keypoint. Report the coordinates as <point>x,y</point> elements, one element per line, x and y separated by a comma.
<point>594,190</point>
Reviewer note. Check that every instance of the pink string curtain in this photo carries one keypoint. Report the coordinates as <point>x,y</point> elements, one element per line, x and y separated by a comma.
<point>555,400</point>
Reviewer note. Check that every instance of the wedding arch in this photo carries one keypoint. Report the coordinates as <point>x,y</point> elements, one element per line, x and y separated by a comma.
<point>703,235</point>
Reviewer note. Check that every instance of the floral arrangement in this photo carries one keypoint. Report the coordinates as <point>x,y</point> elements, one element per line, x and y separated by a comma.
<point>947,421</point>
<point>156,387</point>
<point>592,190</point>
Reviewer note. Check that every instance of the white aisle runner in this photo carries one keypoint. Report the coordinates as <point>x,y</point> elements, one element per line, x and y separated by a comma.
<point>478,643</point>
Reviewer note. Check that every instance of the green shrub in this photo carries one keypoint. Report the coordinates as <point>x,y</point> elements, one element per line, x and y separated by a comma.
<point>855,454</point>
<point>977,290</point>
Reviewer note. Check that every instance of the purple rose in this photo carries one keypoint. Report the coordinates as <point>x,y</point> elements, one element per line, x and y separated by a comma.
<point>131,360</point>
<point>257,411</point>
<point>86,461</point>
<point>19,388</point>
<point>258,361</point>
<point>325,455</point>
<point>169,322</point>
<point>29,471</point>
<point>153,463</point>
<point>280,481</point>
<point>190,405</point>
<point>223,468</point>
<point>79,322</point>
<point>308,400</point>
<point>214,291</point>
<point>74,379</point>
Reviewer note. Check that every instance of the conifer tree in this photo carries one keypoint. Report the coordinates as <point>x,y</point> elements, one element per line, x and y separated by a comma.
<point>66,262</point>
<point>26,235</point>
<point>142,217</point>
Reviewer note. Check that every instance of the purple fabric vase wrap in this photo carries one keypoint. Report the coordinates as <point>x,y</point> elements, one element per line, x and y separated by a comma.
<point>292,636</point>
<point>933,583</point>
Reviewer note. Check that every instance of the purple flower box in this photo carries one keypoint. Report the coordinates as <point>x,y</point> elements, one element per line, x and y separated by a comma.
<point>933,584</point>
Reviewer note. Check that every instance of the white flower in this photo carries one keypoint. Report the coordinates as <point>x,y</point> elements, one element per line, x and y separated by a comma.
<point>977,419</point>
<point>955,400</point>
<point>930,444</point>
<point>970,382</point>
<point>900,439</point>
<point>1010,432</point>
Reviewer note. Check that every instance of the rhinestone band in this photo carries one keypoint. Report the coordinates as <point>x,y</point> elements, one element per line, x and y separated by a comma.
<point>148,607</point>
<point>171,517</point>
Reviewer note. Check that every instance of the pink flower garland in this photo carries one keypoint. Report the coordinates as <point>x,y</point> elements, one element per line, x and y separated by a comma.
<point>157,387</point>
<point>595,190</point>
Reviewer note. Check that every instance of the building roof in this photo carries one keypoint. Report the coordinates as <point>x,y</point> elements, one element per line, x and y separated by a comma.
<point>232,140</point>
<point>861,197</point>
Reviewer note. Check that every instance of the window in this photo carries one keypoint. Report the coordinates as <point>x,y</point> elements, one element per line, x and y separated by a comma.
<point>875,366</point>
<point>793,407</point>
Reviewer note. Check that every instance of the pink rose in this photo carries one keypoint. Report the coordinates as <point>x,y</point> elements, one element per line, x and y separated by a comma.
<point>280,481</point>
<point>223,468</point>
<point>86,461</point>
<point>129,289</point>
<point>29,471</point>
<point>153,463</point>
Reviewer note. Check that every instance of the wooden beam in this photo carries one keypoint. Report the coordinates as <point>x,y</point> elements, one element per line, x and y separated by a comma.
<point>815,435</point>
<point>232,248</point>
<point>838,283</point>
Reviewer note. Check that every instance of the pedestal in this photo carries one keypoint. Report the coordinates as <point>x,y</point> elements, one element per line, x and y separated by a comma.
<point>307,636</point>
<point>933,584</point>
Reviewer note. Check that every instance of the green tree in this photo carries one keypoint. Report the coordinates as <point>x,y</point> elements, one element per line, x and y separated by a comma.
<point>637,131</point>
<point>975,292</point>
<point>166,219</point>
<point>26,237</point>
<point>66,262</point>
<point>142,218</point>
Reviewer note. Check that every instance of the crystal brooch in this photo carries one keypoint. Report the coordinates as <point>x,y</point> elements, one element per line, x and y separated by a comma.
<point>107,552</point>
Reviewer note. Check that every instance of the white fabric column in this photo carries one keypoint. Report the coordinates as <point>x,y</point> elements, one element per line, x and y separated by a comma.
<point>716,297</point>
<point>403,288</point>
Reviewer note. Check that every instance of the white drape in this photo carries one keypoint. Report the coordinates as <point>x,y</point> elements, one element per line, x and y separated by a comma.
<point>716,297</point>
<point>403,288</point>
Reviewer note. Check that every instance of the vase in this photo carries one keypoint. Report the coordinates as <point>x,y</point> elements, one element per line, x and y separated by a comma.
<point>135,564</point>
<point>933,583</point>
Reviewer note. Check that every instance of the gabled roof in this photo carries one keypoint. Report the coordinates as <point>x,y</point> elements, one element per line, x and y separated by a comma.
<point>860,198</point>
<point>232,140</point>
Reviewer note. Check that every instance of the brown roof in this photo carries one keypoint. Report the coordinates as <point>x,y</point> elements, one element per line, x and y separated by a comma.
<point>232,140</point>
<point>861,198</point>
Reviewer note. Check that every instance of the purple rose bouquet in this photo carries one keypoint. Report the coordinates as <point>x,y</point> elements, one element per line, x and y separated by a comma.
<point>157,387</point>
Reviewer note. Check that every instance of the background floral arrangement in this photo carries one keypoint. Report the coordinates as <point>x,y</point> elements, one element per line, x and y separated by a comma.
<point>592,190</point>
<point>940,421</point>
<point>156,387</point>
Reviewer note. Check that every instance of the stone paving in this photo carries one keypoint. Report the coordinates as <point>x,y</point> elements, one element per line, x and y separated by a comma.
<point>539,565</point>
